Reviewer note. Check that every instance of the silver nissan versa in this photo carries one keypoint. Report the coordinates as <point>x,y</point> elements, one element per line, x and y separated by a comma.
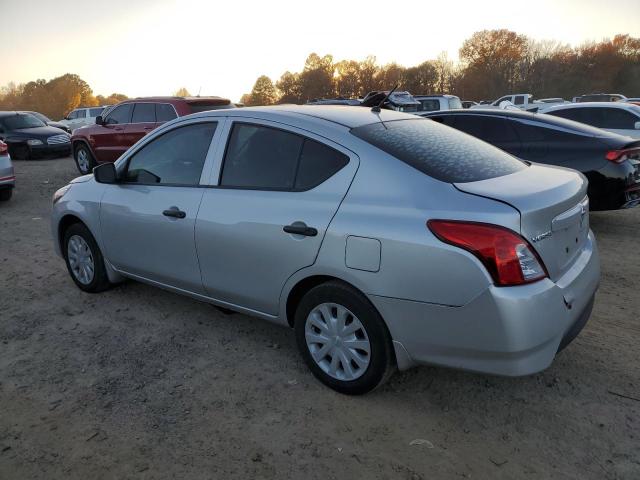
<point>384,239</point>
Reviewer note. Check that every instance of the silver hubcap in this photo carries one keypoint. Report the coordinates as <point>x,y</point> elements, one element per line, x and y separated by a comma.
<point>337,341</point>
<point>80,259</point>
<point>83,160</point>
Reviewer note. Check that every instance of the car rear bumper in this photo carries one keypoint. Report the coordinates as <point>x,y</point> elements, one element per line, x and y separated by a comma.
<point>510,331</point>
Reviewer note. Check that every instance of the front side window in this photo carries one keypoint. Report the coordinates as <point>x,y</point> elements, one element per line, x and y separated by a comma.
<point>73,115</point>
<point>120,114</point>
<point>175,158</point>
<point>519,100</point>
<point>144,113</point>
<point>94,112</point>
<point>439,151</point>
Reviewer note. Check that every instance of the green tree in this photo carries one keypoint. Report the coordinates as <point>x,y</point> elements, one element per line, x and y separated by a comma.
<point>263,92</point>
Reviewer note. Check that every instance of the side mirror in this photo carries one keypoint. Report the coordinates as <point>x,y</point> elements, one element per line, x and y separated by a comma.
<point>105,173</point>
<point>99,120</point>
<point>637,126</point>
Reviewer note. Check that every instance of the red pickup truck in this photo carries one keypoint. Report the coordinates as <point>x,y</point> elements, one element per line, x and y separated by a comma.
<point>122,125</point>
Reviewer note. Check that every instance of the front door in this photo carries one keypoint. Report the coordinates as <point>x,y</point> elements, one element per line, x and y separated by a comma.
<point>109,139</point>
<point>143,121</point>
<point>278,190</point>
<point>148,219</point>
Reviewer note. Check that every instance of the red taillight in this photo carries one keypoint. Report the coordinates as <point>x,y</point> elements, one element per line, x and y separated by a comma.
<point>506,255</point>
<point>3,148</point>
<point>619,156</point>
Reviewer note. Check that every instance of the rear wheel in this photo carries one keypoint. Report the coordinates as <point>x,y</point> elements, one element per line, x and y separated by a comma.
<point>5,194</point>
<point>84,159</point>
<point>84,259</point>
<point>343,339</point>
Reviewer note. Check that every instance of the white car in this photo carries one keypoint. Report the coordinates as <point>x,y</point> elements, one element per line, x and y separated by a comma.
<point>81,117</point>
<point>432,103</point>
<point>618,117</point>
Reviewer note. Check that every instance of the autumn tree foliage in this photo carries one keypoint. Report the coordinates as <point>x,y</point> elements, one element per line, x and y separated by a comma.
<point>54,98</point>
<point>491,63</point>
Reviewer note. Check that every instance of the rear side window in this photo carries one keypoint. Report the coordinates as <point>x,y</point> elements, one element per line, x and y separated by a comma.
<point>165,112</point>
<point>120,114</point>
<point>618,118</point>
<point>144,113</point>
<point>494,130</point>
<point>260,157</point>
<point>317,163</point>
<point>430,104</point>
<point>175,158</point>
<point>439,151</point>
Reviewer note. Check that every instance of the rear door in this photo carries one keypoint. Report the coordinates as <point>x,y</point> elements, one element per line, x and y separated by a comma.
<point>143,121</point>
<point>265,219</point>
<point>109,139</point>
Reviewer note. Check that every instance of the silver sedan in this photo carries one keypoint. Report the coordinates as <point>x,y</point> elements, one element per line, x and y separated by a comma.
<point>7,177</point>
<point>383,239</point>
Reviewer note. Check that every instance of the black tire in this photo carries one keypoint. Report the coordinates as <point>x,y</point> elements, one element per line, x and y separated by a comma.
<point>5,194</point>
<point>382,359</point>
<point>82,149</point>
<point>100,281</point>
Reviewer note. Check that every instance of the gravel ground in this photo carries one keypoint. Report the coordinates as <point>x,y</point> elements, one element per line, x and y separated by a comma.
<point>141,383</point>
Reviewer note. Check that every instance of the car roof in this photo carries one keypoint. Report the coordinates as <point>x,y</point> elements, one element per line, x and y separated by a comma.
<point>345,115</point>
<point>623,105</point>
<point>435,95</point>
<point>551,120</point>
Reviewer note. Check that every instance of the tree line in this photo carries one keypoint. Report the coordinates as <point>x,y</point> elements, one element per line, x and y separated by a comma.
<point>491,63</point>
<point>54,98</point>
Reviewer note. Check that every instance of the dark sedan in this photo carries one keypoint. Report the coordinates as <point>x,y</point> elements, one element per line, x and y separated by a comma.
<point>610,162</point>
<point>28,137</point>
<point>48,121</point>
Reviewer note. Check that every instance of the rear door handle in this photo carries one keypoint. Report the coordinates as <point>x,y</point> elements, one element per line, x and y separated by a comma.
<point>174,212</point>
<point>300,228</point>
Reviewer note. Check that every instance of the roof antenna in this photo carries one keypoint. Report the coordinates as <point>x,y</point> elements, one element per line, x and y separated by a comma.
<point>376,108</point>
<point>200,88</point>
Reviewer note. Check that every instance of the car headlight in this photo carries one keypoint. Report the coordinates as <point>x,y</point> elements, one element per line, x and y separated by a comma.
<point>60,193</point>
<point>34,141</point>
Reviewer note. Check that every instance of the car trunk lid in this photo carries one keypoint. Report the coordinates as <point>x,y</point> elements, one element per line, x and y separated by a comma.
<point>553,210</point>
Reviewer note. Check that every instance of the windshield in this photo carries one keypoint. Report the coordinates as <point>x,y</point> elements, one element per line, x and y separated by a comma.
<point>441,152</point>
<point>39,116</point>
<point>22,120</point>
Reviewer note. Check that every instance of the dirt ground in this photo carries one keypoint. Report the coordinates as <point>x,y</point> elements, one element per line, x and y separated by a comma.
<point>141,383</point>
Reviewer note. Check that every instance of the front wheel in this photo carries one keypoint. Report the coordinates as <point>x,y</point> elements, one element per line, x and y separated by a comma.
<point>5,194</point>
<point>20,152</point>
<point>84,259</point>
<point>84,159</point>
<point>343,339</point>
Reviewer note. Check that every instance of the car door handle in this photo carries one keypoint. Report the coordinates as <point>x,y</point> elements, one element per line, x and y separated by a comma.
<point>174,212</point>
<point>300,228</point>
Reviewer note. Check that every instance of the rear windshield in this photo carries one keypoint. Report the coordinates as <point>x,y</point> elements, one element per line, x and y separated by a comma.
<point>439,151</point>
<point>203,107</point>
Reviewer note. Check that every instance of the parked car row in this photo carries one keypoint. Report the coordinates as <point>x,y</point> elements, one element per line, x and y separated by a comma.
<point>383,239</point>
<point>27,136</point>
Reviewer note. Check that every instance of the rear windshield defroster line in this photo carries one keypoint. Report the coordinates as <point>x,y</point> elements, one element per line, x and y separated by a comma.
<point>439,151</point>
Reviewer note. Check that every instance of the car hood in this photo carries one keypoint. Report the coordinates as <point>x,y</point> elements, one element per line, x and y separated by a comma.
<point>59,125</point>
<point>82,179</point>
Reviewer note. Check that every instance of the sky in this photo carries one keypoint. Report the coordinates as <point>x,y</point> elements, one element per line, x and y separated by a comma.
<point>154,47</point>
